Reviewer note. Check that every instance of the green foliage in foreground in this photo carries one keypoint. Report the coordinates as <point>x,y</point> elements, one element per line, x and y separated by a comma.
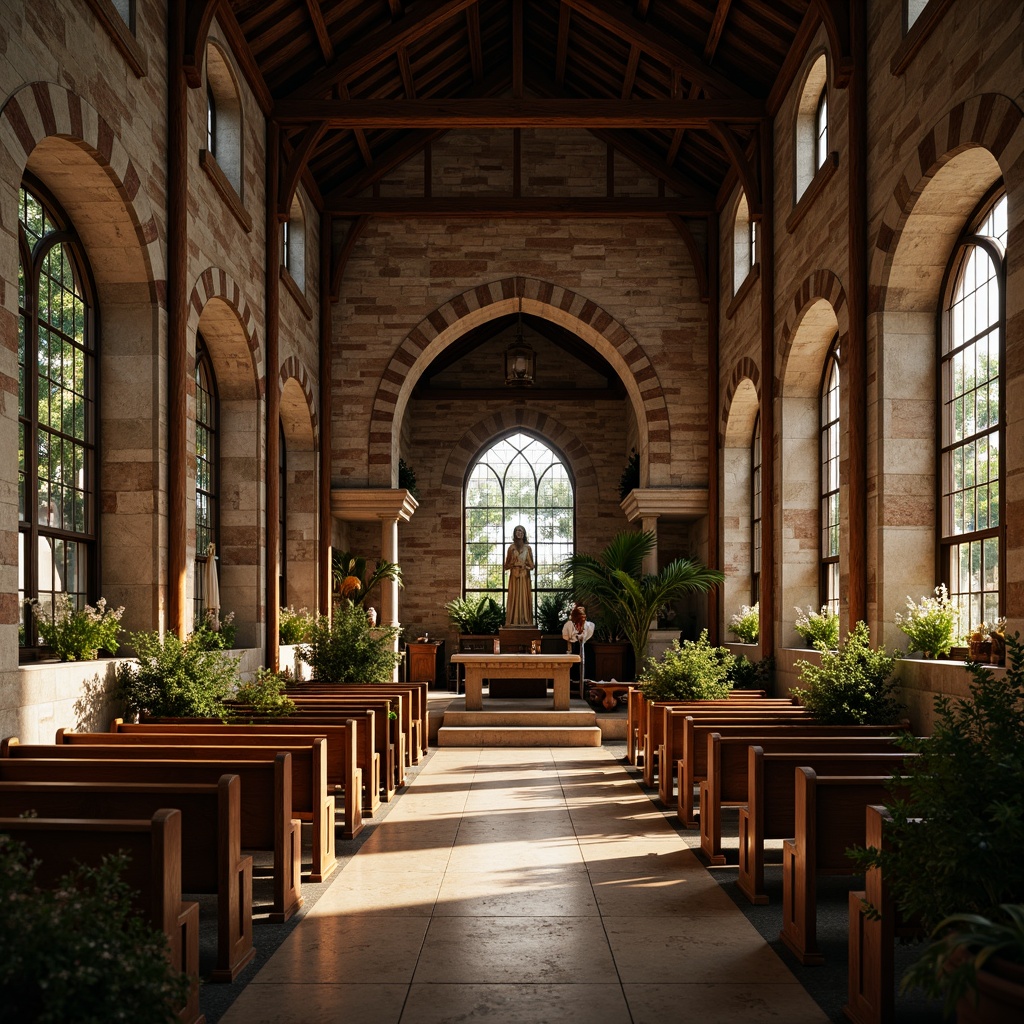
<point>693,670</point>
<point>350,650</point>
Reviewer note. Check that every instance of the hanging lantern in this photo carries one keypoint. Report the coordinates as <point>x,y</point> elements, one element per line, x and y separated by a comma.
<point>520,360</point>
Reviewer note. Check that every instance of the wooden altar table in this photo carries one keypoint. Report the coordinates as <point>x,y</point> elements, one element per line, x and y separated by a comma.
<point>516,666</point>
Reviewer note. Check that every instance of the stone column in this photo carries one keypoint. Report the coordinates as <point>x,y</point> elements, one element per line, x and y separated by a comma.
<point>389,588</point>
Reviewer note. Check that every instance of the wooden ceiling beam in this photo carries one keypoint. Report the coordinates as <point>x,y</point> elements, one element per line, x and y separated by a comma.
<point>510,206</point>
<point>794,59</point>
<point>323,37</point>
<point>476,47</point>
<point>297,163</point>
<point>835,15</point>
<point>360,135</point>
<point>380,45</point>
<point>745,169</point>
<point>198,17</point>
<point>395,9</point>
<point>629,79</point>
<point>525,113</point>
<point>246,61</point>
<point>717,27</point>
<point>640,9</point>
<point>384,163</point>
<point>562,46</point>
<point>652,163</point>
<point>517,49</point>
<point>657,44</point>
<point>405,70</point>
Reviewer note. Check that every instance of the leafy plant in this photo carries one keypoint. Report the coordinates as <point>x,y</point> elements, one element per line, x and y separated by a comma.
<point>351,579</point>
<point>955,840</point>
<point>630,478</point>
<point>263,693</point>
<point>475,616</point>
<point>629,600</point>
<point>745,625</point>
<point>552,611</point>
<point>819,629</point>
<point>693,670</point>
<point>175,678</point>
<point>960,946</point>
<point>77,953</point>
<point>752,675</point>
<point>293,626</point>
<point>75,634</point>
<point>930,624</point>
<point>407,479</point>
<point>853,685</point>
<point>349,650</point>
<point>206,638</point>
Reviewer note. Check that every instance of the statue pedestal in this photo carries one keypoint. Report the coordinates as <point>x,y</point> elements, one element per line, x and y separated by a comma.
<point>518,640</point>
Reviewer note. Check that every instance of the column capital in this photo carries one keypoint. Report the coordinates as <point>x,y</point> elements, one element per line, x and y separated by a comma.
<point>684,503</point>
<point>364,504</point>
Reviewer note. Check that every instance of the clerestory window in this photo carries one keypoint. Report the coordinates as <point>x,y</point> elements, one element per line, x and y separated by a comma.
<point>829,486</point>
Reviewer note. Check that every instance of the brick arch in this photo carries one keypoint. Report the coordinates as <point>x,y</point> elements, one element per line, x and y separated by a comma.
<point>988,121</point>
<point>497,298</point>
<point>294,369</point>
<point>534,421</point>
<point>820,286</point>
<point>43,110</point>
<point>745,369</point>
<point>215,283</point>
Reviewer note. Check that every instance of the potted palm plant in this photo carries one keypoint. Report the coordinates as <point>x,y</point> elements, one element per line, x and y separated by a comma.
<point>629,598</point>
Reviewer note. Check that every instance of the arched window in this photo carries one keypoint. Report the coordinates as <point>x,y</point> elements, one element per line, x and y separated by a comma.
<point>971,417</point>
<point>829,488</point>
<point>207,476</point>
<point>223,117</point>
<point>755,513</point>
<point>56,412</point>
<point>293,248</point>
<point>518,480</point>
<point>282,517</point>
<point>812,125</point>
<point>744,247</point>
<point>821,130</point>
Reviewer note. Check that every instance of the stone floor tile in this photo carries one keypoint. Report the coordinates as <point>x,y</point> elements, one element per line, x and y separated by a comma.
<point>542,892</point>
<point>660,1003</point>
<point>517,1004</point>
<point>318,1003</point>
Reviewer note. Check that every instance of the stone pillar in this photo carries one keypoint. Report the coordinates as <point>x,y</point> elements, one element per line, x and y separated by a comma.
<point>649,524</point>
<point>389,588</point>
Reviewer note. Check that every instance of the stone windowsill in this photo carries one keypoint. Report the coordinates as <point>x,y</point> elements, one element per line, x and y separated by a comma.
<point>292,286</point>
<point>743,291</point>
<point>121,35</point>
<point>227,192</point>
<point>817,185</point>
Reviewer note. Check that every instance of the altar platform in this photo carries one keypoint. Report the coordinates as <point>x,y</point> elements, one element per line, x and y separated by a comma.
<point>508,722</point>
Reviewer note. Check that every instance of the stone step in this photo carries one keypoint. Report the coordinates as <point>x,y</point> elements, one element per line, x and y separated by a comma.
<point>518,736</point>
<point>520,719</point>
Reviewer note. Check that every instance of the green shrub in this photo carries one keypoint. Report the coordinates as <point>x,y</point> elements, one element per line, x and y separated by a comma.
<point>955,840</point>
<point>175,678</point>
<point>476,616</point>
<point>745,625</point>
<point>630,478</point>
<point>752,675</point>
<point>930,624</point>
<point>349,650</point>
<point>819,629</point>
<point>205,637</point>
<point>264,693</point>
<point>553,610</point>
<point>77,953</point>
<point>693,670</point>
<point>78,634</point>
<point>293,626</point>
<point>853,685</point>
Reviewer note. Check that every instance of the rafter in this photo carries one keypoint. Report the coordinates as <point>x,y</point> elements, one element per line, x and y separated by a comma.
<point>198,16</point>
<point>364,146</point>
<point>717,26</point>
<point>517,49</point>
<point>745,170</point>
<point>395,9</point>
<point>640,9</point>
<point>562,47</point>
<point>380,45</point>
<point>511,206</point>
<point>320,28</point>
<point>405,70</point>
<point>246,61</point>
<point>476,48</point>
<point>630,77</point>
<point>659,45</point>
<point>526,113</point>
<point>384,163</point>
<point>650,162</point>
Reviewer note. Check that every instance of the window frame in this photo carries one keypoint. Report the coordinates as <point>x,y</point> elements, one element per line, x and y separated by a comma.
<point>947,542</point>
<point>282,516</point>
<point>29,532</point>
<point>204,361</point>
<point>828,561</point>
<point>821,149</point>
<point>755,512</point>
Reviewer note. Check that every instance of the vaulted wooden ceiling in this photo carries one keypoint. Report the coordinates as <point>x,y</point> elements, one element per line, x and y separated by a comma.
<point>360,86</point>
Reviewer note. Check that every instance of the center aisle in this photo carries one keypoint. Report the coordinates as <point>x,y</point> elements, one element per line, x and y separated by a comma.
<point>524,885</point>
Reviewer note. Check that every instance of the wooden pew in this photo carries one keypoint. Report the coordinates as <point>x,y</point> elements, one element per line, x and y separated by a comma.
<point>153,871</point>
<point>726,782</point>
<point>829,820</point>
<point>770,811</point>
<point>211,841</point>
<point>265,811</point>
<point>692,766</point>
<point>667,729</point>
<point>871,970</point>
<point>310,795</point>
<point>342,771</point>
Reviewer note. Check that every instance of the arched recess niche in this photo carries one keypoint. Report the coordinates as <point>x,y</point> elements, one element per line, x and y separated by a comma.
<point>298,422</point>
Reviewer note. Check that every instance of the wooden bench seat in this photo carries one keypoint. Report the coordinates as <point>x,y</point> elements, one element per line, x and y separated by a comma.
<point>726,783</point>
<point>153,846</point>
<point>311,801</point>
<point>829,818</point>
<point>770,811</point>
<point>265,813</point>
<point>211,841</point>
<point>692,767</point>
<point>342,770</point>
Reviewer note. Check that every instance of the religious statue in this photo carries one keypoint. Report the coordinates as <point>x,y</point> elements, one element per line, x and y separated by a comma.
<point>519,562</point>
<point>576,632</point>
